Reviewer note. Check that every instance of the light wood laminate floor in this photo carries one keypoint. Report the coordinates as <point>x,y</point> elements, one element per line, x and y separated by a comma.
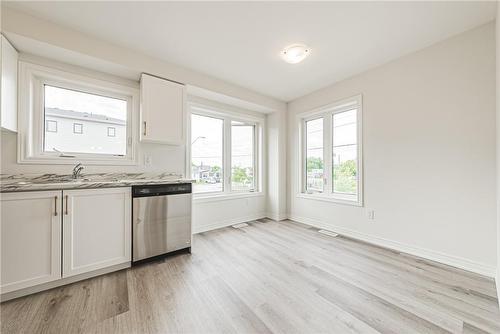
<point>268,278</point>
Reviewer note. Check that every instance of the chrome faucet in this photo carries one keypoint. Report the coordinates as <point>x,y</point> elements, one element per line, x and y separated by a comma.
<point>77,170</point>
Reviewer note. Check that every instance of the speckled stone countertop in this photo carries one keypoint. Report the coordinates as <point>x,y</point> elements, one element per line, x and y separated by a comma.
<point>35,182</point>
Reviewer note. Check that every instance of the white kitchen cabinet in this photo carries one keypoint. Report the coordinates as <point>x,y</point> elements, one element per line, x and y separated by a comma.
<point>30,239</point>
<point>96,229</point>
<point>163,111</point>
<point>8,96</point>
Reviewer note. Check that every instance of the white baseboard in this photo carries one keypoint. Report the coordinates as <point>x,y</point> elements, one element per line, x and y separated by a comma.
<point>454,261</point>
<point>228,222</point>
<point>497,282</point>
<point>277,216</point>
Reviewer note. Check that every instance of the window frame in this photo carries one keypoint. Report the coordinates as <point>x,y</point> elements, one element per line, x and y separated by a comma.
<point>327,113</point>
<point>210,115</point>
<point>304,151</point>
<point>33,78</point>
<point>255,154</point>
<point>228,116</point>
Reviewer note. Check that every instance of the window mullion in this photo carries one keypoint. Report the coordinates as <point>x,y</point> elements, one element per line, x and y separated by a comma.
<point>227,155</point>
<point>37,117</point>
<point>255,159</point>
<point>327,154</point>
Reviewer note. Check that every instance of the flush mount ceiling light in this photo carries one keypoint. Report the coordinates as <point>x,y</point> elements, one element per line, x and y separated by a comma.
<point>295,53</point>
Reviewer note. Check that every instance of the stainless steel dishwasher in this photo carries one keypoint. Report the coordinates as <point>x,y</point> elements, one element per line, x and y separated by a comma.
<point>161,220</point>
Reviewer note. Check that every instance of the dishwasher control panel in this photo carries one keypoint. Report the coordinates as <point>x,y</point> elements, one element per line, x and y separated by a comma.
<point>161,189</point>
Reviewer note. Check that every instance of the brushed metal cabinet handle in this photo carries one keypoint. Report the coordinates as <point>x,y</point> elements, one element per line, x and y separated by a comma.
<point>66,205</point>
<point>55,206</point>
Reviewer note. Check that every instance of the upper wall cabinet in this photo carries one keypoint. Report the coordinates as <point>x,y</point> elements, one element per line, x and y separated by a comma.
<point>163,112</point>
<point>8,94</point>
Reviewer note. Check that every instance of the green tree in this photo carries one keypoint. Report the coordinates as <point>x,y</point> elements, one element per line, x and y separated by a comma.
<point>347,168</point>
<point>314,163</point>
<point>239,175</point>
<point>344,177</point>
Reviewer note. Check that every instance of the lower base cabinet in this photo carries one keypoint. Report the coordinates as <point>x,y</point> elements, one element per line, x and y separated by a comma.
<point>30,239</point>
<point>96,229</point>
<point>49,235</point>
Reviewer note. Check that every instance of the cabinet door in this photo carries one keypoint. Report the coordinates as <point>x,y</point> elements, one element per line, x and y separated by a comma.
<point>8,90</point>
<point>163,116</point>
<point>30,239</point>
<point>96,229</point>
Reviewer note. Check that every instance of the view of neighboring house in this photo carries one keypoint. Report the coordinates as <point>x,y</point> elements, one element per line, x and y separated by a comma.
<point>209,178</point>
<point>206,174</point>
<point>71,131</point>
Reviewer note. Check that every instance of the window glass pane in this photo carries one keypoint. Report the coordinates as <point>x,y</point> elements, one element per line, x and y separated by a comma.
<point>74,111</point>
<point>314,155</point>
<point>345,152</point>
<point>206,153</point>
<point>242,156</point>
<point>344,128</point>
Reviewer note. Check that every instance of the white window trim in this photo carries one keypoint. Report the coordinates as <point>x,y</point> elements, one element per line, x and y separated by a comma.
<point>326,112</point>
<point>229,115</point>
<point>31,115</point>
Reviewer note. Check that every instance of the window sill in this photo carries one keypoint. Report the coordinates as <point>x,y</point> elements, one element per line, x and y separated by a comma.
<point>204,198</point>
<point>331,199</point>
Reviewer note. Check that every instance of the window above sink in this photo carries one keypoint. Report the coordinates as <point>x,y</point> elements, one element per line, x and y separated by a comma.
<point>66,117</point>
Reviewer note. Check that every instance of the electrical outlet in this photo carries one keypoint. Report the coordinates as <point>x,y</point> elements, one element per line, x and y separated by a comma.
<point>148,161</point>
<point>371,214</point>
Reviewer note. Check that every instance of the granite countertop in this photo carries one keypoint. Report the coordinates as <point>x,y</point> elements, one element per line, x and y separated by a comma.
<point>34,182</point>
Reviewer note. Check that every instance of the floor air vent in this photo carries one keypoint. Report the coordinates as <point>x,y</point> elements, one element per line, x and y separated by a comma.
<point>329,233</point>
<point>241,225</point>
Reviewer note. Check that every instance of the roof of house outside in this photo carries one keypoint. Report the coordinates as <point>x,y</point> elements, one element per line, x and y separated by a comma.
<point>56,112</point>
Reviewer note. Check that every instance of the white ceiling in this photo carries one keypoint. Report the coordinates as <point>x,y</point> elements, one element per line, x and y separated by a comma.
<point>240,42</point>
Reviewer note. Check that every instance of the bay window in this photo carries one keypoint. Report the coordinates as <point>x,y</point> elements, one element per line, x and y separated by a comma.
<point>331,152</point>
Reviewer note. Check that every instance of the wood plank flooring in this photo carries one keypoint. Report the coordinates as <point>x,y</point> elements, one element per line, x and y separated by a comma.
<point>267,278</point>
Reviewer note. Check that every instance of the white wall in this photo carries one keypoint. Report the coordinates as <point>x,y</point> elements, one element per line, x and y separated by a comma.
<point>429,154</point>
<point>277,162</point>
